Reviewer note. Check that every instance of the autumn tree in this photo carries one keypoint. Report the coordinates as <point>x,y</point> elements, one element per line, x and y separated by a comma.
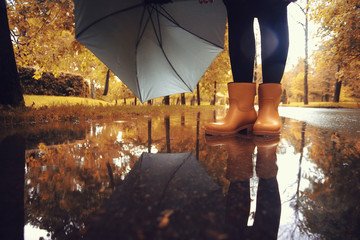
<point>43,37</point>
<point>218,74</point>
<point>10,93</point>
<point>323,82</point>
<point>37,30</point>
<point>339,21</point>
<point>293,81</point>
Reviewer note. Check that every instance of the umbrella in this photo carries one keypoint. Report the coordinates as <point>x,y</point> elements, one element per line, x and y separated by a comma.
<point>156,47</point>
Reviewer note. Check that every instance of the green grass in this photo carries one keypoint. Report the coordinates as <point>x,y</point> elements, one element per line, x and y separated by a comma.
<point>37,101</point>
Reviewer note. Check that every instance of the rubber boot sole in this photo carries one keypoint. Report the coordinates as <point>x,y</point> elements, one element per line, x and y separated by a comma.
<point>248,129</point>
<point>266,133</point>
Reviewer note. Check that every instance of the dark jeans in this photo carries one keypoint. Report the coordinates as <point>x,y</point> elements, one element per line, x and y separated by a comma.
<point>272,17</point>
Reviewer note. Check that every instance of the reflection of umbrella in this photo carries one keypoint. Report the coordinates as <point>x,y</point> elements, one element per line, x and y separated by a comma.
<point>165,196</point>
<point>175,178</point>
<point>155,49</point>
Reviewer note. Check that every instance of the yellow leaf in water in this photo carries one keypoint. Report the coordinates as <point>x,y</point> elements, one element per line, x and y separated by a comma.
<point>165,219</point>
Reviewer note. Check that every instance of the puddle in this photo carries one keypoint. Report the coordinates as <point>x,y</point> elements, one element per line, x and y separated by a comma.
<point>74,175</point>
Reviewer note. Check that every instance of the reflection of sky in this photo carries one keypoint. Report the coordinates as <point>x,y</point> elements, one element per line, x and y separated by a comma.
<point>96,130</point>
<point>123,161</point>
<point>288,174</point>
<point>34,233</point>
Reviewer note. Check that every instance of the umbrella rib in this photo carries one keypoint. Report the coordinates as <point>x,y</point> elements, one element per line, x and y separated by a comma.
<point>142,30</point>
<point>104,17</point>
<point>158,19</point>
<point>163,51</point>
<point>171,178</point>
<point>139,37</point>
<point>177,74</point>
<point>168,16</point>
<point>157,33</point>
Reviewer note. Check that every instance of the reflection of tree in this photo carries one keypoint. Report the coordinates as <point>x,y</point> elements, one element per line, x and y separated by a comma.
<point>296,207</point>
<point>331,205</point>
<point>167,130</point>
<point>302,145</point>
<point>197,135</point>
<point>49,133</point>
<point>292,132</point>
<point>62,190</point>
<point>12,155</point>
<point>68,182</point>
<point>295,134</point>
<point>149,136</point>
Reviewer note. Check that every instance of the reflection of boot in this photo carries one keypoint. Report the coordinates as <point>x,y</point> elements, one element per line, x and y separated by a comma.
<point>240,149</point>
<point>268,121</point>
<point>268,204</point>
<point>241,114</point>
<point>266,156</point>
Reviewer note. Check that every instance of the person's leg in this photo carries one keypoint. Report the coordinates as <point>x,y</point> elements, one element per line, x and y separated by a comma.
<point>274,50</point>
<point>241,40</point>
<point>241,114</point>
<point>274,43</point>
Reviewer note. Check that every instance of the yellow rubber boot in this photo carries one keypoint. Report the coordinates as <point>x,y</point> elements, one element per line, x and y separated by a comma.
<point>268,120</point>
<point>241,114</point>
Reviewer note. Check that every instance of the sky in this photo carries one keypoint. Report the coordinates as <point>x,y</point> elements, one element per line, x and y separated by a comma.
<point>297,35</point>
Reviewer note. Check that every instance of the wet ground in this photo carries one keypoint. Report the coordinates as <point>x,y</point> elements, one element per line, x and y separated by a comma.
<point>162,178</point>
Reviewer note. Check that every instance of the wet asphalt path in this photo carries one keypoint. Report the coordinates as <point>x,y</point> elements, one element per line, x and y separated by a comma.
<point>340,120</point>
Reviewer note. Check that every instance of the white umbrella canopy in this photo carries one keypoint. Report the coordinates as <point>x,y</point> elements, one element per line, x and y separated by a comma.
<point>156,49</point>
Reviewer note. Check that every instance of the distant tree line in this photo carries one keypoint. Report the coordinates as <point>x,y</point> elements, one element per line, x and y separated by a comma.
<point>48,84</point>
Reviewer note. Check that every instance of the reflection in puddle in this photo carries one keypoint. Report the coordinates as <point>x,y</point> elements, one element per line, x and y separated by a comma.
<point>73,170</point>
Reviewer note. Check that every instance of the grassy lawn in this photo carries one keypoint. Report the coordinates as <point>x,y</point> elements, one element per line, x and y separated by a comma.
<point>43,109</point>
<point>37,101</point>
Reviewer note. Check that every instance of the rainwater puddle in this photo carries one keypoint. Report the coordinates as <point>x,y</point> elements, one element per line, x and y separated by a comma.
<point>161,177</point>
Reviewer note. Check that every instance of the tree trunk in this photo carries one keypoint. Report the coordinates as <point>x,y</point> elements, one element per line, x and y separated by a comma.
<point>337,91</point>
<point>107,80</point>
<point>306,61</point>
<point>198,94</point>
<point>183,100</point>
<point>214,100</point>
<point>10,91</point>
<point>93,89</point>
<point>197,145</point>
<point>167,100</point>
<point>338,85</point>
